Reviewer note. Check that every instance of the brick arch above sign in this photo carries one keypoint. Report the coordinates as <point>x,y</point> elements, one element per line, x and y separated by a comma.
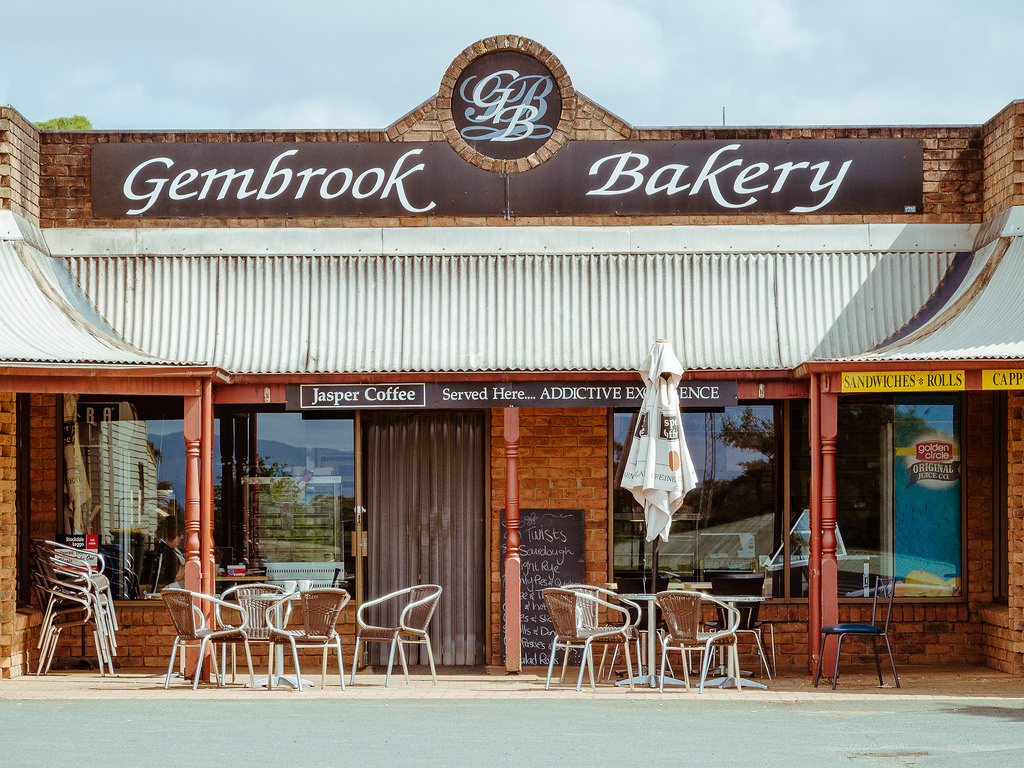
<point>506,104</point>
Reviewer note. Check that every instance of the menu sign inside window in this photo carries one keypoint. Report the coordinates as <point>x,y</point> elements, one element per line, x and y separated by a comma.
<point>486,394</point>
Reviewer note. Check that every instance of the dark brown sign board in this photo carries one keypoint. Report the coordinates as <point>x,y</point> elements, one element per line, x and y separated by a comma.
<point>518,394</point>
<point>269,179</point>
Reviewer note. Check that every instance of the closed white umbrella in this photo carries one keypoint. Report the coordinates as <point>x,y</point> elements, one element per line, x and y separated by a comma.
<point>658,469</point>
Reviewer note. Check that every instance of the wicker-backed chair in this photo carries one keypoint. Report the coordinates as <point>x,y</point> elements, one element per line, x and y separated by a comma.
<point>682,611</point>
<point>190,626</point>
<point>320,610</point>
<point>884,588</point>
<point>590,613</point>
<point>420,603</point>
<point>573,615</point>
<point>252,602</point>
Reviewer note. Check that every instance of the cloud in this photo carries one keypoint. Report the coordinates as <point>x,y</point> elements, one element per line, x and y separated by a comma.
<point>320,64</point>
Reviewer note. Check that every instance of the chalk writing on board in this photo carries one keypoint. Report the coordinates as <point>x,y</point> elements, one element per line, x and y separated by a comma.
<point>551,554</point>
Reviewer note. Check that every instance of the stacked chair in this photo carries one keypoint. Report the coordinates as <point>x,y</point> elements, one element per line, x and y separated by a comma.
<point>73,591</point>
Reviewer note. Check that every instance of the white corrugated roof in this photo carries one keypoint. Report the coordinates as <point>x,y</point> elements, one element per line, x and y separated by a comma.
<point>982,319</point>
<point>40,325</point>
<point>376,312</point>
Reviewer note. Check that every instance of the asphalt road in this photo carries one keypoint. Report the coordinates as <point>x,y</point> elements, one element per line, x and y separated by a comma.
<point>510,732</point>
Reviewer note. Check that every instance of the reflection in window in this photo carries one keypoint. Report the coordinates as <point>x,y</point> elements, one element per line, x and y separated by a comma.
<point>898,494</point>
<point>286,509</point>
<point>124,467</point>
<point>728,522</point>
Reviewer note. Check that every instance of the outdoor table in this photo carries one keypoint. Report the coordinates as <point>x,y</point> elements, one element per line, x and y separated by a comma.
<point>277,659</point>
<point>651,678</point>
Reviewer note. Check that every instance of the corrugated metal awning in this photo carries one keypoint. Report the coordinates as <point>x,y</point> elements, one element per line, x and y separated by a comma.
<point>982,320</point>
<point>371,313</point>
<point>40,324</point>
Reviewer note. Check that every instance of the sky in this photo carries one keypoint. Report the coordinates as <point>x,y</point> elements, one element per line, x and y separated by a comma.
<point>343,64</point>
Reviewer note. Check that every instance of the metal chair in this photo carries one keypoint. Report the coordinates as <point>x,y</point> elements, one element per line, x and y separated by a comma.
<point>411,628</point>
<point>75,591</point>
<point>682,611</point>
<point>190,628</point>
<point>886,588</point>
<point>574,617</point>
<point>590,612</point>
<point>744,584</point>
<point>252,601</point>
<point>320,610</point>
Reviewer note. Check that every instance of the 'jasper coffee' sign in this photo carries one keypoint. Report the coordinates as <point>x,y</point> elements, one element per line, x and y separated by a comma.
<point>524,394</point>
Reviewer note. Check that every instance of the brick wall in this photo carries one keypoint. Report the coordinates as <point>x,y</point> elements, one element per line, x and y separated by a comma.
<point>1004,160</point>
<point>1003,640</point>
<point>953,172</point>
<point>563,464</point>
<point>10,645</point>
<point>19,165</point>
<point>19,628</point>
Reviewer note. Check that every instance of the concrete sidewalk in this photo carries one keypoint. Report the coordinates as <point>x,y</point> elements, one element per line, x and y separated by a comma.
<point>857,682</point>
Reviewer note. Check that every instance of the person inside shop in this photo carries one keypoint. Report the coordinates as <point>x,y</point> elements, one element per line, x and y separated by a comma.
<point>170,554</point>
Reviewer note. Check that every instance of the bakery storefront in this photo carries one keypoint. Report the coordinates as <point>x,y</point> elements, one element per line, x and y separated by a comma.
<point>403,356</point>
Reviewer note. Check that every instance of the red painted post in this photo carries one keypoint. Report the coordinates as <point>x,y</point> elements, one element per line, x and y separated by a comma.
<point>206,492</point>
<point>513,565</point>
<point>829,563</point>
<point>193,427</point>
<point>814,558</point>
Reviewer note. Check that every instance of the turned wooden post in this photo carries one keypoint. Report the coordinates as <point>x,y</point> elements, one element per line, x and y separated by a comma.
<point>513,564</point>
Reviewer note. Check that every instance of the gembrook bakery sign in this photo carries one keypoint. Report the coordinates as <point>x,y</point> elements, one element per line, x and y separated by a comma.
<point>506,111</point>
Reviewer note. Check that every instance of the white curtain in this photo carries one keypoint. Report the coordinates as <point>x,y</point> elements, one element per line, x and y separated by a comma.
<point>426,522</point>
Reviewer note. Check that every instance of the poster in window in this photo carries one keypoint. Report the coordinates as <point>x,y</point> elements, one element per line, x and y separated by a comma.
<point>927,527</point>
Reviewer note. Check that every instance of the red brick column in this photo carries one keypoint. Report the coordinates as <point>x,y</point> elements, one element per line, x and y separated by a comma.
<point>8,535</point>
<point>563,464</point>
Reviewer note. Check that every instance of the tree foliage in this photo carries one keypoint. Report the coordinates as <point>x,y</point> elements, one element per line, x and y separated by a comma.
<point>73,123</point>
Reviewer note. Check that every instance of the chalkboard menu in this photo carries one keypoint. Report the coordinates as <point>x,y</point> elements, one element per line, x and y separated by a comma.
<point>551,551</point>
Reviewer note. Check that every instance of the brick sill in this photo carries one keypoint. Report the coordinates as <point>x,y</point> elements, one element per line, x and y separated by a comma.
<point>995,614</point>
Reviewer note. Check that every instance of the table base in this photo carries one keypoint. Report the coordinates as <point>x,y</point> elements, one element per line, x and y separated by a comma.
<point>284,680</point>
<point>730,682</point>
<point>652,680</point>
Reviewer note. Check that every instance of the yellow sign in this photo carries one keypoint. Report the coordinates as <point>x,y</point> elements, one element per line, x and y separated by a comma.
<point>903,381</point>
<point>1003,379</point>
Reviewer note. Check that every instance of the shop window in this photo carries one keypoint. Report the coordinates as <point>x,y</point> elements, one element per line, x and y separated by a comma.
<point>124,487</point>
<point>284,496</point>
<point>283,491</point>
<point>730,522</point>
<point>898,495</point>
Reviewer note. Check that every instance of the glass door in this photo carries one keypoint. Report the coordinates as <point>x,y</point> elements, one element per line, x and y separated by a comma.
<point>288,510</point>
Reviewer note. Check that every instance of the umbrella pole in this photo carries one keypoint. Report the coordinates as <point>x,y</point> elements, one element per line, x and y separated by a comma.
<point>654,565</point>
